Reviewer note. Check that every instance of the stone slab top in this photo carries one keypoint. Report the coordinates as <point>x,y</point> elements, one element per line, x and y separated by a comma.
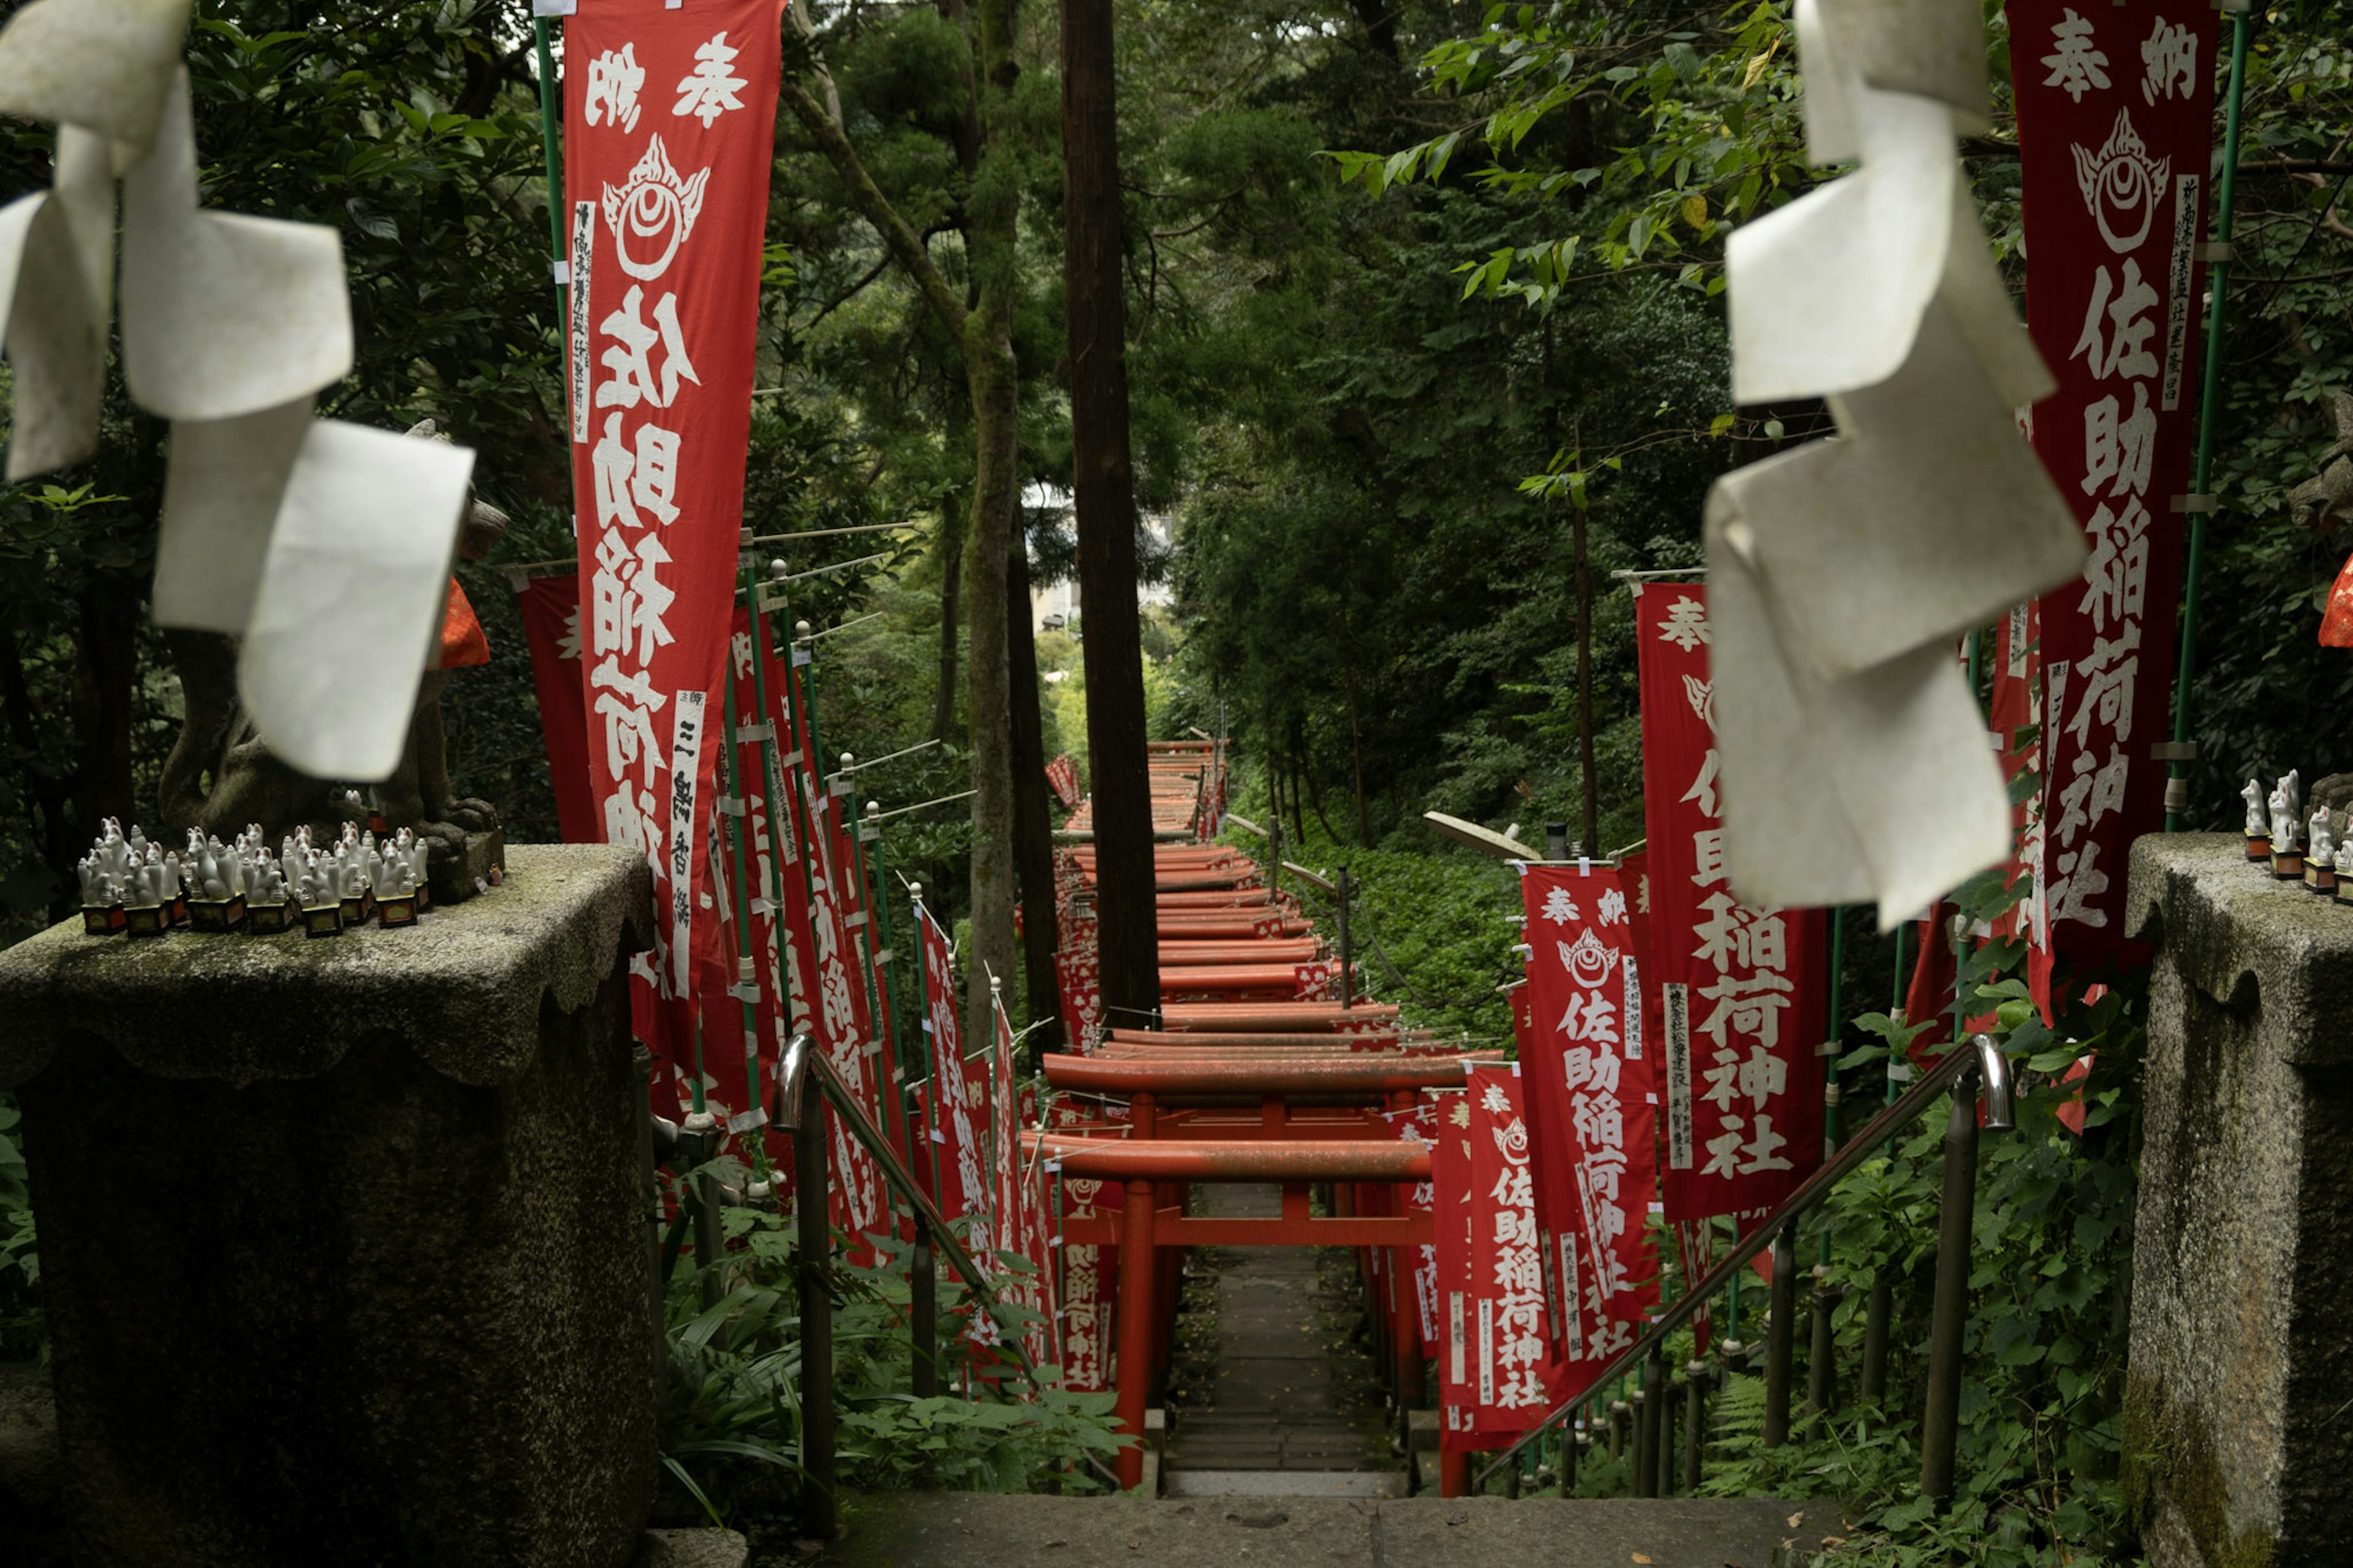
<point>462,986</point>
<point>2240,935</point>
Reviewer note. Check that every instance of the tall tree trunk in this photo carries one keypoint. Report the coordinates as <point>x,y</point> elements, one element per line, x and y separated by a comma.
<point>1356,755</point>
<point>1033,817</point>
<point>952,526</point>
<point>980,318</point>
<point>1126,910</point>
<point>994,375</point>
<point>1592,813</point>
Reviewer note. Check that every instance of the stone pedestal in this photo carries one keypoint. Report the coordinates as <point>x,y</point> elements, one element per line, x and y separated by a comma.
<point>2237,1444</point>
<point>341,1239</point>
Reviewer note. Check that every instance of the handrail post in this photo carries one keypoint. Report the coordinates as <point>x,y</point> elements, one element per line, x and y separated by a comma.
<point>1639,1453</point>
<point>1821,1368</point>
<point>1878,1307</point>
<point>1957,1214</point>
<point>812,1178</point>
<point>1669,1391</point>
<point>923,1301</point>
<point>1695,1380</point>
<point>1621,1414</point>
<point>1781,1335</point>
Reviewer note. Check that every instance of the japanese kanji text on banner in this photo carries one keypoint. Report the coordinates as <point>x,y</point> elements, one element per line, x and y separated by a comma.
<point>1742,1013</point>
<point>2115,133</point>
<point>670,117</point>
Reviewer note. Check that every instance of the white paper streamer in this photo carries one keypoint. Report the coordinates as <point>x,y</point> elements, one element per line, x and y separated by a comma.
<point>1854,757</point>
<point>350,598</point>
<point>325,547</point>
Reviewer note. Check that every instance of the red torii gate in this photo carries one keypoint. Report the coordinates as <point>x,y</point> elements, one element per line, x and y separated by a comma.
<point>1175,1139</point>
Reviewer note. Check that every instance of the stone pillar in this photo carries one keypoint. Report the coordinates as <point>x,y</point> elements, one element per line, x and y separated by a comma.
<point>343,1241</point>
<point>2237,1445</point>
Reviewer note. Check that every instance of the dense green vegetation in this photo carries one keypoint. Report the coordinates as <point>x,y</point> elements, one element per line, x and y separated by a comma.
<point>1418,290</point>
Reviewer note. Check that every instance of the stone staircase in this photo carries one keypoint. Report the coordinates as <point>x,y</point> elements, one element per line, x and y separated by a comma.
<point>1272,1392</point>
<point>966,1530</point>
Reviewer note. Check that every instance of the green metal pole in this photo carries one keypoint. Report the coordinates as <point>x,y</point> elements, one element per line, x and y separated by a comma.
<point>747,980</point>
<point>2210,396</point>
<point>548,120</point>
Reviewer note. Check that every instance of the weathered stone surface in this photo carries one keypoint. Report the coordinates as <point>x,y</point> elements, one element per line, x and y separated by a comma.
<point>2242,1352</point>
<point>966,1530</point>
<point>341,1239</point>
<point>692,1548</point>
<point>463,986</point>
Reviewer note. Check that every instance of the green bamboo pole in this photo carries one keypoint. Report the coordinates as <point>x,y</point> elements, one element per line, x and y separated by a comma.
<point>2210,396</point>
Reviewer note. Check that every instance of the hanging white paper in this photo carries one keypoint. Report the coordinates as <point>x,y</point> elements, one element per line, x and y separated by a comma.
<point>1880,786</point>
<point>103,65</point>
<point>351,595</point>
<point>223,315</point>
<point>221,500</point>
<point>1926,516</point>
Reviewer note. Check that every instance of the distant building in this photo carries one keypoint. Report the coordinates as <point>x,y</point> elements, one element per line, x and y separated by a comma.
<point>1053,607</point>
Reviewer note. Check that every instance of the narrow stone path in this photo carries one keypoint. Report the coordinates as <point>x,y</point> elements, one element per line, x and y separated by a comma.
<point>1272,1393</point>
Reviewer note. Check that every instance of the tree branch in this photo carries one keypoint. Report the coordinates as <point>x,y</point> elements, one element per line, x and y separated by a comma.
<point>904,243</point>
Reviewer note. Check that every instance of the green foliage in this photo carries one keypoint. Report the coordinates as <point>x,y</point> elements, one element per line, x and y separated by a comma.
<point>729,1416</point>
<point>22,1335</point>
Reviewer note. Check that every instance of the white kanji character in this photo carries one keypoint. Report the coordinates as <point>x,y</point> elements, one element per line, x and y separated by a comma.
<point>1558,907</point>
<point>1599,1121</point>
<point>2112,665</point>
<point>1736,937</point>
<point>1763,1077</point>
<point>654,483</point>
<point>2122,348</point>
<point>1611,910</point>
<point>2170,55</point>
<point>2115,578</point>
<point>1591,1016</point>
<point>1707,856</point>
<point>1723,1078</point>
<point>1584,1066</point>
<point>1749,1006</point>
<point>2119,450</point>
<point>610,461</point>
<point>1762,1152</point>
<point>628,597</point>
<point>708,90</point>
<point>613,82</point>
<point>1724,1151</point>
<point>2075,892</point>
<point>1702,794</point>
<point>631,820</point>
<point>630,361</point>
<point>2076,64</point>
<point>1685,625</point>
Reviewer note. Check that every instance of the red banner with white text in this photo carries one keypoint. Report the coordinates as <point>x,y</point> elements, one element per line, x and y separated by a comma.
<point>669,118</point>
<point>2116,135</point>
<point>1741,1001</point>
<point>1590,1094</point>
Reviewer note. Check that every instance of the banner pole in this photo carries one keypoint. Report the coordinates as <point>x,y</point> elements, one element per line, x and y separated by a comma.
<point>548,121</point>
<point>2218,280</point>
<point>746,972</point>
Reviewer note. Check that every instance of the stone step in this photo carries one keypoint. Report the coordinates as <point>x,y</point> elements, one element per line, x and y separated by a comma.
<point>967,1529</point>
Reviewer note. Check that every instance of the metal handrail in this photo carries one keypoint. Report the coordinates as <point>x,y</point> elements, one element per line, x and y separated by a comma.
<point>800,1067</point>
<point>1986,1059</point>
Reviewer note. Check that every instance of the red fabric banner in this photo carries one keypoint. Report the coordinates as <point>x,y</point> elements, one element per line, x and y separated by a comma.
<point>1740,991</point>
<point>1420,1124</point>
<point>2115,133</point>
<point>1590,1089</point>
<point>963,1188</point>
<point>1081,974</point>
<point>551,628</point>
<point>1090,1280</point>
<point>1499,1372</point>
<point>670,122</point>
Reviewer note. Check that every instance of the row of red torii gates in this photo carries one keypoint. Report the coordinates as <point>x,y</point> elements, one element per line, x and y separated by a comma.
<point>1251,1077</point>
